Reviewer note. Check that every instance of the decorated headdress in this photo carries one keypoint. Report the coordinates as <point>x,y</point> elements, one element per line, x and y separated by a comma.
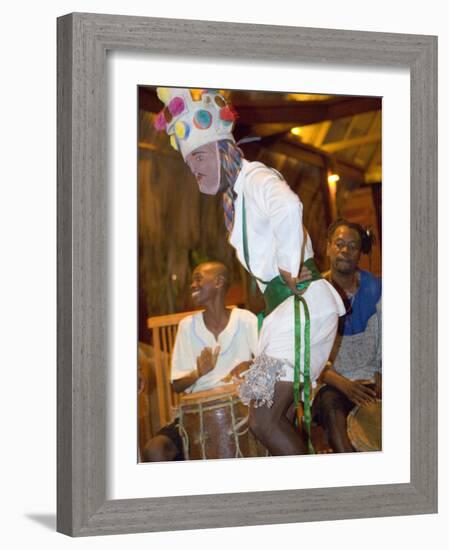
<point>192,122</point>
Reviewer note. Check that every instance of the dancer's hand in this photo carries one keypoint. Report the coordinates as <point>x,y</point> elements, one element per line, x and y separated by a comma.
<point>291,282</point>
<point>305,274</point>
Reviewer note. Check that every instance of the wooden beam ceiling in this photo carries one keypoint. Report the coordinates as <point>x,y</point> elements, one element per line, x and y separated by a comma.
<point>350,143</point>
<point>291,112</point>
<point>265,119</point>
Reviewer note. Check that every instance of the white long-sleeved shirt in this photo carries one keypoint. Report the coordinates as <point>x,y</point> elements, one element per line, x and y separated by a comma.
<point>275,233</point>
<point>277,240</point>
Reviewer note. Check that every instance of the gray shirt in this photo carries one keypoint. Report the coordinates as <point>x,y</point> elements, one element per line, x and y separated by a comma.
<point>359,356</point>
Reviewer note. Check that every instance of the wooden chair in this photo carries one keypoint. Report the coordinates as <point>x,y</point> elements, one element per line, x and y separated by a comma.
<point>164,329</point>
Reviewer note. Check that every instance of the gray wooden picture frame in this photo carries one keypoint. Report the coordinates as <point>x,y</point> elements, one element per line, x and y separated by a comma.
<point>83,41</point>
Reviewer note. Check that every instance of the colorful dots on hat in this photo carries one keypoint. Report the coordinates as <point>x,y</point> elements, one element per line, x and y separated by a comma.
<point>159,122</point>
<point>227,115</point>
<point>182,130</point>
<point>176,106</point>
<point>202,119</point>
<point>195,94</point>
<point>174,143</point>
<point>220,101</point>
<point>163,94</point>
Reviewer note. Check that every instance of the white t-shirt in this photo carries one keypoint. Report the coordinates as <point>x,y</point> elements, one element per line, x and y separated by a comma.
<point>238,342</point>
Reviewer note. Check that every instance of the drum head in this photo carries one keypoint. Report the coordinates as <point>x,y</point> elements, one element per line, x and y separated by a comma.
<point>221,392</point>
<point>365,427</point>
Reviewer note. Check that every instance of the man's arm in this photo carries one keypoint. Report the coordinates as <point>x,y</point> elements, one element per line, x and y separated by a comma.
<point>356,392</point>
<point>284,210</point>
<point>378,384</point>
<point>235,373</point>
<point>181,384</point>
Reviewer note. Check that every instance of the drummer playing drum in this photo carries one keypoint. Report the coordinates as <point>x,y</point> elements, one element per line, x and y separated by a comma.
<point>353,376</point>
<point>212,348</point>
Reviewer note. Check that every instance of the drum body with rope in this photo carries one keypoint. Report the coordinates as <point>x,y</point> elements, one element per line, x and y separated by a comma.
<point>214,424</point>
<point>365,427</point>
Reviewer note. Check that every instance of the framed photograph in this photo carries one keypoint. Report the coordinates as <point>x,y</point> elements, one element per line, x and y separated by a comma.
<point>108,70</point>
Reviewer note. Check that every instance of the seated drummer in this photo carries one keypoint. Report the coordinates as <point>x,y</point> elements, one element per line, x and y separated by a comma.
<point>210,348</point>
<point>353,374</point>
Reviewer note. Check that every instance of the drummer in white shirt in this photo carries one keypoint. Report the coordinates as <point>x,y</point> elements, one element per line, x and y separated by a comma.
<point>211,347</point>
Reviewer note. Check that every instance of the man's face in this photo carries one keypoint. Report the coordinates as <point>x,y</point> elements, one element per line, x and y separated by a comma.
<point>204,163</point>
<point>205,284</point>
<point>344,250</point>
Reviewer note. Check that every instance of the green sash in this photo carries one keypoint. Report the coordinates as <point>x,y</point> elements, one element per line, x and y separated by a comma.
<point>275,293</point>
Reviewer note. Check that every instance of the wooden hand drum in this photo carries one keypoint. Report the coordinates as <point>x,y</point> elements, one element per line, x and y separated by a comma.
<point>214,424</point>
<point>365,427</point>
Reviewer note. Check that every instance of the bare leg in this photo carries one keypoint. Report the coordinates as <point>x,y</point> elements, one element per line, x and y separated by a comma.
<point>291,413</point>
<point>159,449</point>
<point>333,411</point>
<point>272,427</point>
<point>338,431</point>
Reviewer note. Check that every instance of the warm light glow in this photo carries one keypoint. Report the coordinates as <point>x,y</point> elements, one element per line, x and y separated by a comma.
<point>332,179</point>
<point>296,131</point>
<point>307,97</point>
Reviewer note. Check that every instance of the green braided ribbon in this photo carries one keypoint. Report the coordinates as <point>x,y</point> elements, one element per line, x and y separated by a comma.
<point>275,293</point>
<point>306,370</point>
